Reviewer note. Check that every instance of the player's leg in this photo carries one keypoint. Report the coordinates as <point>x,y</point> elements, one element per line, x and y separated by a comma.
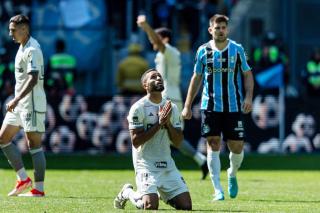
<point>211,130</point>
<point>39,164</point>
<point>214,165</point>
<point>34,128</point>
<point>151,201</point>
<point>9,129</point>
<point>235,136</point>
<point>181,201</point>
<point>174,191</point>
<point>145,197</point>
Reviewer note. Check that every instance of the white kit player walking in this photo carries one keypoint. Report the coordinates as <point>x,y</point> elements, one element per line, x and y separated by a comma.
<point>26,110</point>
<point>154,124</point>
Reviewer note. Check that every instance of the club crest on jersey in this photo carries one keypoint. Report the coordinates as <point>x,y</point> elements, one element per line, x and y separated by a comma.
<point>205,129</point>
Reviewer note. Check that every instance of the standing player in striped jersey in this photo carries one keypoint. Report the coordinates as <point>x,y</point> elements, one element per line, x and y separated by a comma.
<point>26,110</point>
<point>221,65</point>
<point>168,63</point>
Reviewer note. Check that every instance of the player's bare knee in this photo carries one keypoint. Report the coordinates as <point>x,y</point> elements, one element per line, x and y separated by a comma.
<point>236,147</point>
<point>214,144</point>
<point>184,206</point>
<point>151,205</point>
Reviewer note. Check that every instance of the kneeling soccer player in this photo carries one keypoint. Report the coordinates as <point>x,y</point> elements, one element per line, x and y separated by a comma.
<point>154,123</point>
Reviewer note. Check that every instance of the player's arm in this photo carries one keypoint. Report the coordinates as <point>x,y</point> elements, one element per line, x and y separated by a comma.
<point>27,88</point>
<point>153,37</point>
<point>193,89</point>
<point>248,81</point>
<point>167,113</point>
<point>248,87</point>
<point>139,136</point>
<point>175,134</point>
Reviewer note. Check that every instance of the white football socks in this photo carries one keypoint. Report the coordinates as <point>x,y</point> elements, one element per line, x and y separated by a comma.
<point>214,166</point>
<point>235,163</point>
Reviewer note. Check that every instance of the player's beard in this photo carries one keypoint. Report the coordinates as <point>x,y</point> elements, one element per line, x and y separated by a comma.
<point>220,39</point>
<point>157,88</point>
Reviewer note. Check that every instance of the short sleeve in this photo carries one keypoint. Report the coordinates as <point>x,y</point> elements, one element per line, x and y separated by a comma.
<point>175,117</point>
<point>135,117</point>
<point>243,58</point>
<point>199,65</point>
<point>33,64</point>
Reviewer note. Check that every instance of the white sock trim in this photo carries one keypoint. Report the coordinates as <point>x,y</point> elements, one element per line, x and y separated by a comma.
<point>34,151</point>
<point>199,158</point>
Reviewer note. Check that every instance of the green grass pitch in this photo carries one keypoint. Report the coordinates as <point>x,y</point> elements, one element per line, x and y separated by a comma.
<point>93,187</point>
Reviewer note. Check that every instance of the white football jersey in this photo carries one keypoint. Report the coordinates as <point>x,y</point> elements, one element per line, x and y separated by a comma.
<point>155,154</point>
<point>30,59</point>
<point>169,66</point>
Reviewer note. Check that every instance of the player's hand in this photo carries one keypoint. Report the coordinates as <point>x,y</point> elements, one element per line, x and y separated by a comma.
<point>247,105</point>
<point>11,105</point>
<point>165,113</point>
<point>186,113</point>
<point>141,20</point>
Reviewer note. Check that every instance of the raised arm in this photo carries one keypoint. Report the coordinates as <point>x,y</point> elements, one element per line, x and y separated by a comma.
<point>152,35</point>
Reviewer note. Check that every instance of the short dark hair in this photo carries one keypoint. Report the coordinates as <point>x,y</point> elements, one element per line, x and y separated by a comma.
<point>218,18</point>
<point>143,77</point>
<point>164,32</point>
<point>20,19</point>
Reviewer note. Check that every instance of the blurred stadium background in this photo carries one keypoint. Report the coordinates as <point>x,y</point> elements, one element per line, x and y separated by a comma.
<point>86,111</point>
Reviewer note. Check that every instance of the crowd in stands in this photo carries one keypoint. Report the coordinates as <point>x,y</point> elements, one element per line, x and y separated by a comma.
<point>74,125</point>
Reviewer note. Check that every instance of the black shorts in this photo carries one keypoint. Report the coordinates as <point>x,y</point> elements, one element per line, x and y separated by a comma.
<point>230,124</point>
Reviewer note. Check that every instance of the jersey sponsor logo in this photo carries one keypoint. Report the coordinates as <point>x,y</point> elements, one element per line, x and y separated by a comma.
<point>150,114</point>
<point>222,60</point>
<point>223,70</point>
<point>161,164</point>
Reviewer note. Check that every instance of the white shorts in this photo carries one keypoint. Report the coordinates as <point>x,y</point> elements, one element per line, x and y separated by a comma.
<point>29,121</point>
<point>169,184</point>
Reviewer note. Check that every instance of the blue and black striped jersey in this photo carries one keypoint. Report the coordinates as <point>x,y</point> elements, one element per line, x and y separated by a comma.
<point>222,80</point>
